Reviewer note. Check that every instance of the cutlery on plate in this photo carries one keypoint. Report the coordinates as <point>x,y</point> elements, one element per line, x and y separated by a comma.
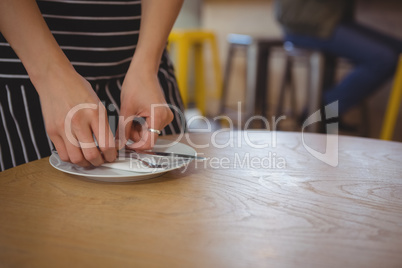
<point>168,154</point>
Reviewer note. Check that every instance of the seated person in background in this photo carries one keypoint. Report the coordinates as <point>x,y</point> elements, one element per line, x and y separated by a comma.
<point>329,26</point>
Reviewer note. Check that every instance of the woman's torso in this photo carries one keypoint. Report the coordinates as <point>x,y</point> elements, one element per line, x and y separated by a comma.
<point>98,37</point>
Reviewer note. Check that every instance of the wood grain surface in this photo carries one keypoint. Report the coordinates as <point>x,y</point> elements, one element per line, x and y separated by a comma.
<point>301,213</point>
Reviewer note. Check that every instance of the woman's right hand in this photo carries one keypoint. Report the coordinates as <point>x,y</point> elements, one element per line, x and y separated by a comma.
<point>71,109</point>
<point>73,115</point>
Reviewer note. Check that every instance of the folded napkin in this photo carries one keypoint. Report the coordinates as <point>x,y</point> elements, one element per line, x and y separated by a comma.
<point>146,163</point>
<point>133,165</point>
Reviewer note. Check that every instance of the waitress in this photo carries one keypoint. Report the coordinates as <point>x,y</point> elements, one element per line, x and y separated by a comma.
<point>70,69</point>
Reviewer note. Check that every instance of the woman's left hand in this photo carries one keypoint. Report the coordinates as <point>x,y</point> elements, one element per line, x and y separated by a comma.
<point>143,106</point>
<point>141,94</point>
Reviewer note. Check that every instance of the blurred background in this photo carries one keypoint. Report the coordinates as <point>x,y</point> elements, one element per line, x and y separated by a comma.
<point>256,19</point>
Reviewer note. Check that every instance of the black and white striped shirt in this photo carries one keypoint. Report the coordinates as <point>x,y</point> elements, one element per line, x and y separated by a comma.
<point>98,37</point>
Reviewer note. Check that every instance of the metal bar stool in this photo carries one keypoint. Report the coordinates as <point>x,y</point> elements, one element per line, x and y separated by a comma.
<point>258,52</point>
<point>315,63</point>
<point>185,40</point>
<point>321,68</point>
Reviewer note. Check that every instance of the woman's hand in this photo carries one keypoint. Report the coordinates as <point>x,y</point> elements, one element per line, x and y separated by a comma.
<point>73,114</point>
<point>141,95</point>
<point>143,106</point>
<point>71,109</point>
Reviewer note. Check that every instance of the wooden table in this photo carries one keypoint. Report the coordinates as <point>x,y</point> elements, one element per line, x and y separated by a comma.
<point>303,214</point>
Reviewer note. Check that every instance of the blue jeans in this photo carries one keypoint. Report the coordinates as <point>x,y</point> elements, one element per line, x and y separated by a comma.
<point>374,55</point>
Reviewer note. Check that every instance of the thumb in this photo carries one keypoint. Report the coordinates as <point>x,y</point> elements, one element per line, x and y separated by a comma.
<point>123,129</point>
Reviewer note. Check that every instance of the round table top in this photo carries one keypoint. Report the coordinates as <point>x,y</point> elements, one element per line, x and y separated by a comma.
<point>262,199</point>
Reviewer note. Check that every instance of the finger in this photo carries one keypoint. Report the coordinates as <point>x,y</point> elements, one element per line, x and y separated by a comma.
<point>75,154</point>
<point>136,131</point>
<point>138,134</point>
<point>89,149</point>
<point>148,138</point>
<point>61,148</point>
<point>152,136</point>
<point>104,136</point>
<point>123,127</point>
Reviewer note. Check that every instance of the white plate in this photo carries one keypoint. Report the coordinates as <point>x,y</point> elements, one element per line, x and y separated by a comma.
<point>116,175</point>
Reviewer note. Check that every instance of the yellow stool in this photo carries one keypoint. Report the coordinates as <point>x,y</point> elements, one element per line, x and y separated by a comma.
<point>184,40</point>
<point>394,101</point>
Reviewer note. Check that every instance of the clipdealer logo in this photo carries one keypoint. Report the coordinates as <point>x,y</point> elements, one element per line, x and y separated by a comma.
<point>236,139</point>
<point>330,156</point>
